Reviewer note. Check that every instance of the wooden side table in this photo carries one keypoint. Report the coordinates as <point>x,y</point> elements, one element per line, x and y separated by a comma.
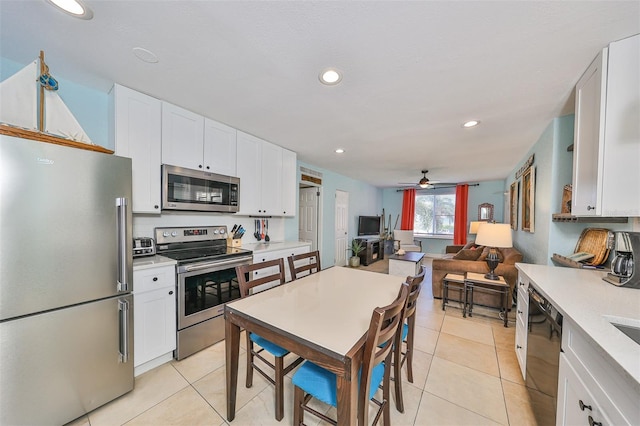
<point>500,286</point>
<point>458,284</point>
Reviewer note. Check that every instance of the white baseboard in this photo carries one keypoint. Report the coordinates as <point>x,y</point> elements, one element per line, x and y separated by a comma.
<point>149,365</point>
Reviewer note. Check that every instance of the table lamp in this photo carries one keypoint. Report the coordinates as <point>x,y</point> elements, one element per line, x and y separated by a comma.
<point>473,226</point>
<point>494,235</point>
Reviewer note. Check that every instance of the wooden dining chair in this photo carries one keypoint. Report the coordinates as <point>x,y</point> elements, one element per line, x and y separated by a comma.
<point>272,272</point>
<point>313,381</point>
<point>407,333</point>
<point>312,266</point>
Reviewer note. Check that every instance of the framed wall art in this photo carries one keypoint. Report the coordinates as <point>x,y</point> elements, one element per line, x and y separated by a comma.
<point>485,212</point>
<point>513,204</point>
<point>528,198</point>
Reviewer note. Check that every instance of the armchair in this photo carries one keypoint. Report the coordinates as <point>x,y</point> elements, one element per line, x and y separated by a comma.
<point>406,240</point>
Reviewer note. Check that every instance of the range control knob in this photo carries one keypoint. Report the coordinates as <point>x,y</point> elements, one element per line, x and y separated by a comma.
<point>165,234</point>
<point>174,234</point>
<point>215,231</point>
<point>223,231</point>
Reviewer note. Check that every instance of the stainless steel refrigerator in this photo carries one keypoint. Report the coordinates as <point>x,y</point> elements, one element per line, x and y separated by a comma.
<point>66,309</point>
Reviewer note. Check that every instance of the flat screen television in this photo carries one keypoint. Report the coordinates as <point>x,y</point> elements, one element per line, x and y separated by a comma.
<point>369,226</point>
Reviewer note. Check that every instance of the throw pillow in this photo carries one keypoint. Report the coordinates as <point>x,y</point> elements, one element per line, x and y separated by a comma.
<point>468,254</point>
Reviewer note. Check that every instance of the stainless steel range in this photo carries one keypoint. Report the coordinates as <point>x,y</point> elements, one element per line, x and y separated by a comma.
<point>206,279</point>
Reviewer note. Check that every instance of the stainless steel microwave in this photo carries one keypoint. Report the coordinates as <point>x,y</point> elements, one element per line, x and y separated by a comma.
<point>195,190</point>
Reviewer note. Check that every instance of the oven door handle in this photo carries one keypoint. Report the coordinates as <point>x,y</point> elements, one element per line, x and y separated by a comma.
<point>215,264</point>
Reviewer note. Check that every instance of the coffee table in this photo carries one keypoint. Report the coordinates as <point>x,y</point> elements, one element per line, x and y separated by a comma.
<point>474,281</point>
<point>405,265</point>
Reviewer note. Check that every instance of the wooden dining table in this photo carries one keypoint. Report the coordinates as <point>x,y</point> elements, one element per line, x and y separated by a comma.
<point>323,317</point>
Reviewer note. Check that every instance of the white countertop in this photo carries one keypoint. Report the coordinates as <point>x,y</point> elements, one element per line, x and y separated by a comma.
<point>587,300</point>
<point>140,263</point>
<point>262,247</point>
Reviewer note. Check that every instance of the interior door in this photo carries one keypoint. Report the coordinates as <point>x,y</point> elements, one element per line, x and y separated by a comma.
<point>308,217</point>
<point>342,227</point>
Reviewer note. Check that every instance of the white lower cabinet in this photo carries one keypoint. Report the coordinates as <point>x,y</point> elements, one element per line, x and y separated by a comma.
<point>590,390</point>
<point>522,322</point>
<point>277,254</point>
<point>154,318</point>
<point>576,405</point>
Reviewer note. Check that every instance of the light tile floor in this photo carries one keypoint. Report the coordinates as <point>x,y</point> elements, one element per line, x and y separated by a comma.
<point>465,373</point>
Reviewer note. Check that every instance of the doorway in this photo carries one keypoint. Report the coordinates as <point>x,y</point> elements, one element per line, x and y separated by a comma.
<point>342,227</point>
<point>309,223</point>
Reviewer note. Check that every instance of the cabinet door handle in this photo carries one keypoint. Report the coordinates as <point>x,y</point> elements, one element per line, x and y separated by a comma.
<point>170,292</point>
<point>593,422</point>
<point>156,207</point>
<point>155,278</point>
<point>520,347</point>
<point>590,208</point>
<point>583,406</point>
<point>199,166</point>
<point>520,312</point>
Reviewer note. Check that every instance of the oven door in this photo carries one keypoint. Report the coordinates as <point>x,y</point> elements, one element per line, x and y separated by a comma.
<point>204,288</point>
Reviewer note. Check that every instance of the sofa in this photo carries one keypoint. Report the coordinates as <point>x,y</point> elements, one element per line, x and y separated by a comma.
<point>406,241</point>
<point>472,258</point>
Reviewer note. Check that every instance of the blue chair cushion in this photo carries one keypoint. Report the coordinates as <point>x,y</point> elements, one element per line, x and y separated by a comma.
<point>405,331</point>
<point>272,348</point>
<point>321,383</point>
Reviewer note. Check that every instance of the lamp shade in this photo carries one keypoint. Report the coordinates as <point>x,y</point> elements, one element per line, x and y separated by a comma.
<point>494,235</point>
<point>473,227</point>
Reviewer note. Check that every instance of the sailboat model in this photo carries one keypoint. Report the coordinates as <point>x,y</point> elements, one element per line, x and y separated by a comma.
<point>31,108</point>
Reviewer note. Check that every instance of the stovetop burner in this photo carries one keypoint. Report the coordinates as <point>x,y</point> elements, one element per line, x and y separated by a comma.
<point>196,244</point>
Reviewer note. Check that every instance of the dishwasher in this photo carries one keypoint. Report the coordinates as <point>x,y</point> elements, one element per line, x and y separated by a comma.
<point>543,346</point>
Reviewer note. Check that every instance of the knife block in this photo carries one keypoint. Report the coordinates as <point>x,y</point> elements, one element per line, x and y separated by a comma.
<point>234,243</point>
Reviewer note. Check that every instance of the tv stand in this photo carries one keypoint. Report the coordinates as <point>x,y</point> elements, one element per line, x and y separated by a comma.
<point>374,250</point>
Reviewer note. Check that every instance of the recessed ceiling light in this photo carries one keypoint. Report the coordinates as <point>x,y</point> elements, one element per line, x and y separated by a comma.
<point>330,76</point>
<point>75,8</point>
<point>471,123</point>
<point>339,151</point>
<point>145,55</point>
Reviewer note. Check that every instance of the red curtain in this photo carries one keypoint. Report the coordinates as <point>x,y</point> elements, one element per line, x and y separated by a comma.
<point>460,224</point>
<point>408,209</point>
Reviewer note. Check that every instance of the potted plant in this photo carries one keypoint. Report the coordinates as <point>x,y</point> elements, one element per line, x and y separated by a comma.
<point>356,249</point>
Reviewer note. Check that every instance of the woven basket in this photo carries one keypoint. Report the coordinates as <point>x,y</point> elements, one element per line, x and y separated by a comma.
<point>596,241</point>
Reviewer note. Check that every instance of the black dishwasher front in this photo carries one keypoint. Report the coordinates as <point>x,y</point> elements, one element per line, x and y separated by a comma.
<point>543,346</point>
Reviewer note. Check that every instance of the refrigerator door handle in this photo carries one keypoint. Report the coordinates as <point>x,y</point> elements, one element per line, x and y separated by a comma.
<point>121,212</point>
<point>123,312</point>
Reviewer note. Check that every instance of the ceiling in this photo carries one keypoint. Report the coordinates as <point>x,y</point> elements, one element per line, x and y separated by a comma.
<point>413,72</point>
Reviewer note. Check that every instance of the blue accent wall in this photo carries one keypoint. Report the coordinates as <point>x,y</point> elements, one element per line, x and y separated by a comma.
<point>486,192</point>
<point>364,199</point>
<point>554,167</point>
<point>89,106</point>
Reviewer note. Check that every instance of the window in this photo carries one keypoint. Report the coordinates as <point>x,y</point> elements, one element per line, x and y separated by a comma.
<point>435,214</point>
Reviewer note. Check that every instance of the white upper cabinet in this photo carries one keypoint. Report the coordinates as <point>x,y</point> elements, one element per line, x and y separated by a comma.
<point>135,130</point>
<point>267,175</point>
<point>289,183</point>
<point>195,142</point>
<point>249,169</point>
<point>606,176</point>
<point>182,137</point>
<point>271,179</point>
<point>219,148</point>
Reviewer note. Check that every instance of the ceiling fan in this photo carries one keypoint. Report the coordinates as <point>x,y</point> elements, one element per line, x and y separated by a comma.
<point>423,183</point>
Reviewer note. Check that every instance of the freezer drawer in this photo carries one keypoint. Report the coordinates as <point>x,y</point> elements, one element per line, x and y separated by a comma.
<point>59,365</point>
